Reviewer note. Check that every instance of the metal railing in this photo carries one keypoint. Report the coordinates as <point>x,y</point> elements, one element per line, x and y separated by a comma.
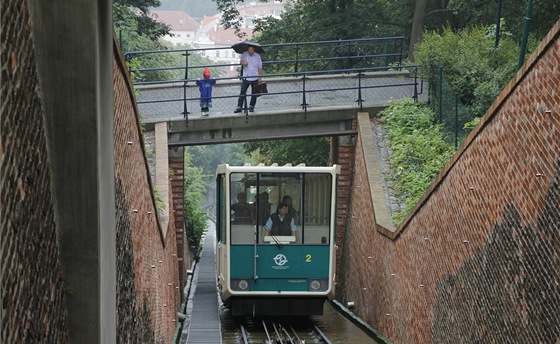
<point>308,68</point>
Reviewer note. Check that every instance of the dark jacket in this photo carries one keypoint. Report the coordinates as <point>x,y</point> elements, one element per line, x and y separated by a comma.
<point>281,227</point>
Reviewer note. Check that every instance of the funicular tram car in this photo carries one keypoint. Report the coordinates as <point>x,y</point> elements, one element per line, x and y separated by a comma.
<point>263,273</point>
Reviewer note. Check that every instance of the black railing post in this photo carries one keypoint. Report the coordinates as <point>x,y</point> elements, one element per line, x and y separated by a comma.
<point>127,59</point>
<point>349,61</point>
<point>440,89</point>
<point>360,100</point>
<point>386,52</point>
<point>415,96</point>
<point>296,69</point>
<point>185,111</point>
<point>246,108</point>
<point>246,101</point>
<point>186,64</point>
<point>120,41</point>
<point>456,121</point>
<point>304,104</point>
<point>400,52</point>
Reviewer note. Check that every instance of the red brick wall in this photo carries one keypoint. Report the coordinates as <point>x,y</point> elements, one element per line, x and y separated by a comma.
<point>177,190</point>
<point>148,290</point>
<point>33,294</point>
<point>342,153</point>
<point>478,259</point>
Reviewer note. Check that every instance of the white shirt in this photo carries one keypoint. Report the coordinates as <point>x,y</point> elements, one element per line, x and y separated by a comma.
<point>251,71</point>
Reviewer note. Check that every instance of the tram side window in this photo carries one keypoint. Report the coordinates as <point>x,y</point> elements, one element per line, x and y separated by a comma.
<point>242,197</point>
<point>221,209</point>
<point>317,208</point>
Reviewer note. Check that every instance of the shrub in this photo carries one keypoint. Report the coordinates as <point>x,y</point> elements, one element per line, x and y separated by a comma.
<point>475,69</point>
<point>419,151</point>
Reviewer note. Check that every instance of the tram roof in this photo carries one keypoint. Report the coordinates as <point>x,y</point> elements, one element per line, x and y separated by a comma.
<point>223,168</point>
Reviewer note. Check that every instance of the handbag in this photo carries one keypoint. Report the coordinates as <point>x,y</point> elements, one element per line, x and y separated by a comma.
<point>260,88</point>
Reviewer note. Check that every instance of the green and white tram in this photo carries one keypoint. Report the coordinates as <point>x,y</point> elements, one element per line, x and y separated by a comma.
<point>269,264</point>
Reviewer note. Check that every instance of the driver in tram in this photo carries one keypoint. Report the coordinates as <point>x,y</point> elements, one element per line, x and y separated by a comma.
<point>281,222</point>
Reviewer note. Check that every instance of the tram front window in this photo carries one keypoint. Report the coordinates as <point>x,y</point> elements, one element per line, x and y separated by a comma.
<point>292,207</point>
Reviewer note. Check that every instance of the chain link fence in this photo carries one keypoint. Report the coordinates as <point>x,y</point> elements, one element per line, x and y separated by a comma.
<point>449,110</point>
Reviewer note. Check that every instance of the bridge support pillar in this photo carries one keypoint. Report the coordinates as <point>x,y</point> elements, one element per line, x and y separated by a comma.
<point>73,43</point>
<point>342,153</point>
<point>177,167</point>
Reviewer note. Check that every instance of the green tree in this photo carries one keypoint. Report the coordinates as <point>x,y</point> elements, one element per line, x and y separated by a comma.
<point>481,12</point>
<point>476,70</point>
<point>194,191</point>
<point>137,10</point>
<point>313,20</point>
<point>310,151</point>
<point>209,157</point>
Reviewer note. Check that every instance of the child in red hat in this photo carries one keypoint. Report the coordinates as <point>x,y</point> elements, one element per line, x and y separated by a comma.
<point>205,86</point>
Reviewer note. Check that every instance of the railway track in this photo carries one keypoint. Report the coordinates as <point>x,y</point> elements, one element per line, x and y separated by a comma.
<point>280,331</point>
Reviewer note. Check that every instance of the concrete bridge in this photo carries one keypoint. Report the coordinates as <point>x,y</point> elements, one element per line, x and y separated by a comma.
<point>313,95</point>
<point>332,102</point>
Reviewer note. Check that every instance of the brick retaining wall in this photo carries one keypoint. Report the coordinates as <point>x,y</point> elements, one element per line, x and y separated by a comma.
<point>478,259</point>
<point>33,294</point>
<point>148,290</point>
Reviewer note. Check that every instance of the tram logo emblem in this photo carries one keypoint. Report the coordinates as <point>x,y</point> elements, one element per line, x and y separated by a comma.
<point>280,259</point>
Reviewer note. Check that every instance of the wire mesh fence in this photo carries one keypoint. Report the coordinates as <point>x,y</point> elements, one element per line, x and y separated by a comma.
<point>449,110</point>
<point>299,76</point>
<point>188,64</point>
<point>287,93</point>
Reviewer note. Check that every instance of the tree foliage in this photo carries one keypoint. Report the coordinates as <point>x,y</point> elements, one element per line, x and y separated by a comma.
<point>209,157</point>
<point>194,191</point>
<point>310,151</point>
<point>316,20</point>
<point>475,69</point>
<point>138,32</point>
<point>125,11</point>
<point>419,151</point>
<point>482,12</point>
<point>135,30</point>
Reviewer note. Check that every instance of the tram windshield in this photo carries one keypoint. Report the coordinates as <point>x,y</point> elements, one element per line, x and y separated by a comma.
<point>288,208</point>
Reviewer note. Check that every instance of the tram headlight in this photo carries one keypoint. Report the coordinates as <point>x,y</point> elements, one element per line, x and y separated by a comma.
<point>318,285</point>
<point>240,285</point>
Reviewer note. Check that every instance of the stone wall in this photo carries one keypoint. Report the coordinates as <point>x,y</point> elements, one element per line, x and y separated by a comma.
<point>477,260</point>
<point>148,291</point>
<point>33,294</point>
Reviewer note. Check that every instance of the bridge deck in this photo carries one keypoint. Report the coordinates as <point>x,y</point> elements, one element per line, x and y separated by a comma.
<point>166,103</point>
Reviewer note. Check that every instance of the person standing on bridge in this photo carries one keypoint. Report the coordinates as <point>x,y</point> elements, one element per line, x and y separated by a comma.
<point>252,72</point>
<point>205,86</point>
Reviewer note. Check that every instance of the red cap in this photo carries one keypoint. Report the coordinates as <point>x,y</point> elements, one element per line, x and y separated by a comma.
<point>206,73</point>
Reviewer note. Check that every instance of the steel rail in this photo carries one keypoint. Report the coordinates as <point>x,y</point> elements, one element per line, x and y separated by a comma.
<point>321,334</point>
<point>243,333</point>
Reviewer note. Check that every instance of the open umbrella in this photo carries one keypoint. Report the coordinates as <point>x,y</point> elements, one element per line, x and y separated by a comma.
<point>241,47</point>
